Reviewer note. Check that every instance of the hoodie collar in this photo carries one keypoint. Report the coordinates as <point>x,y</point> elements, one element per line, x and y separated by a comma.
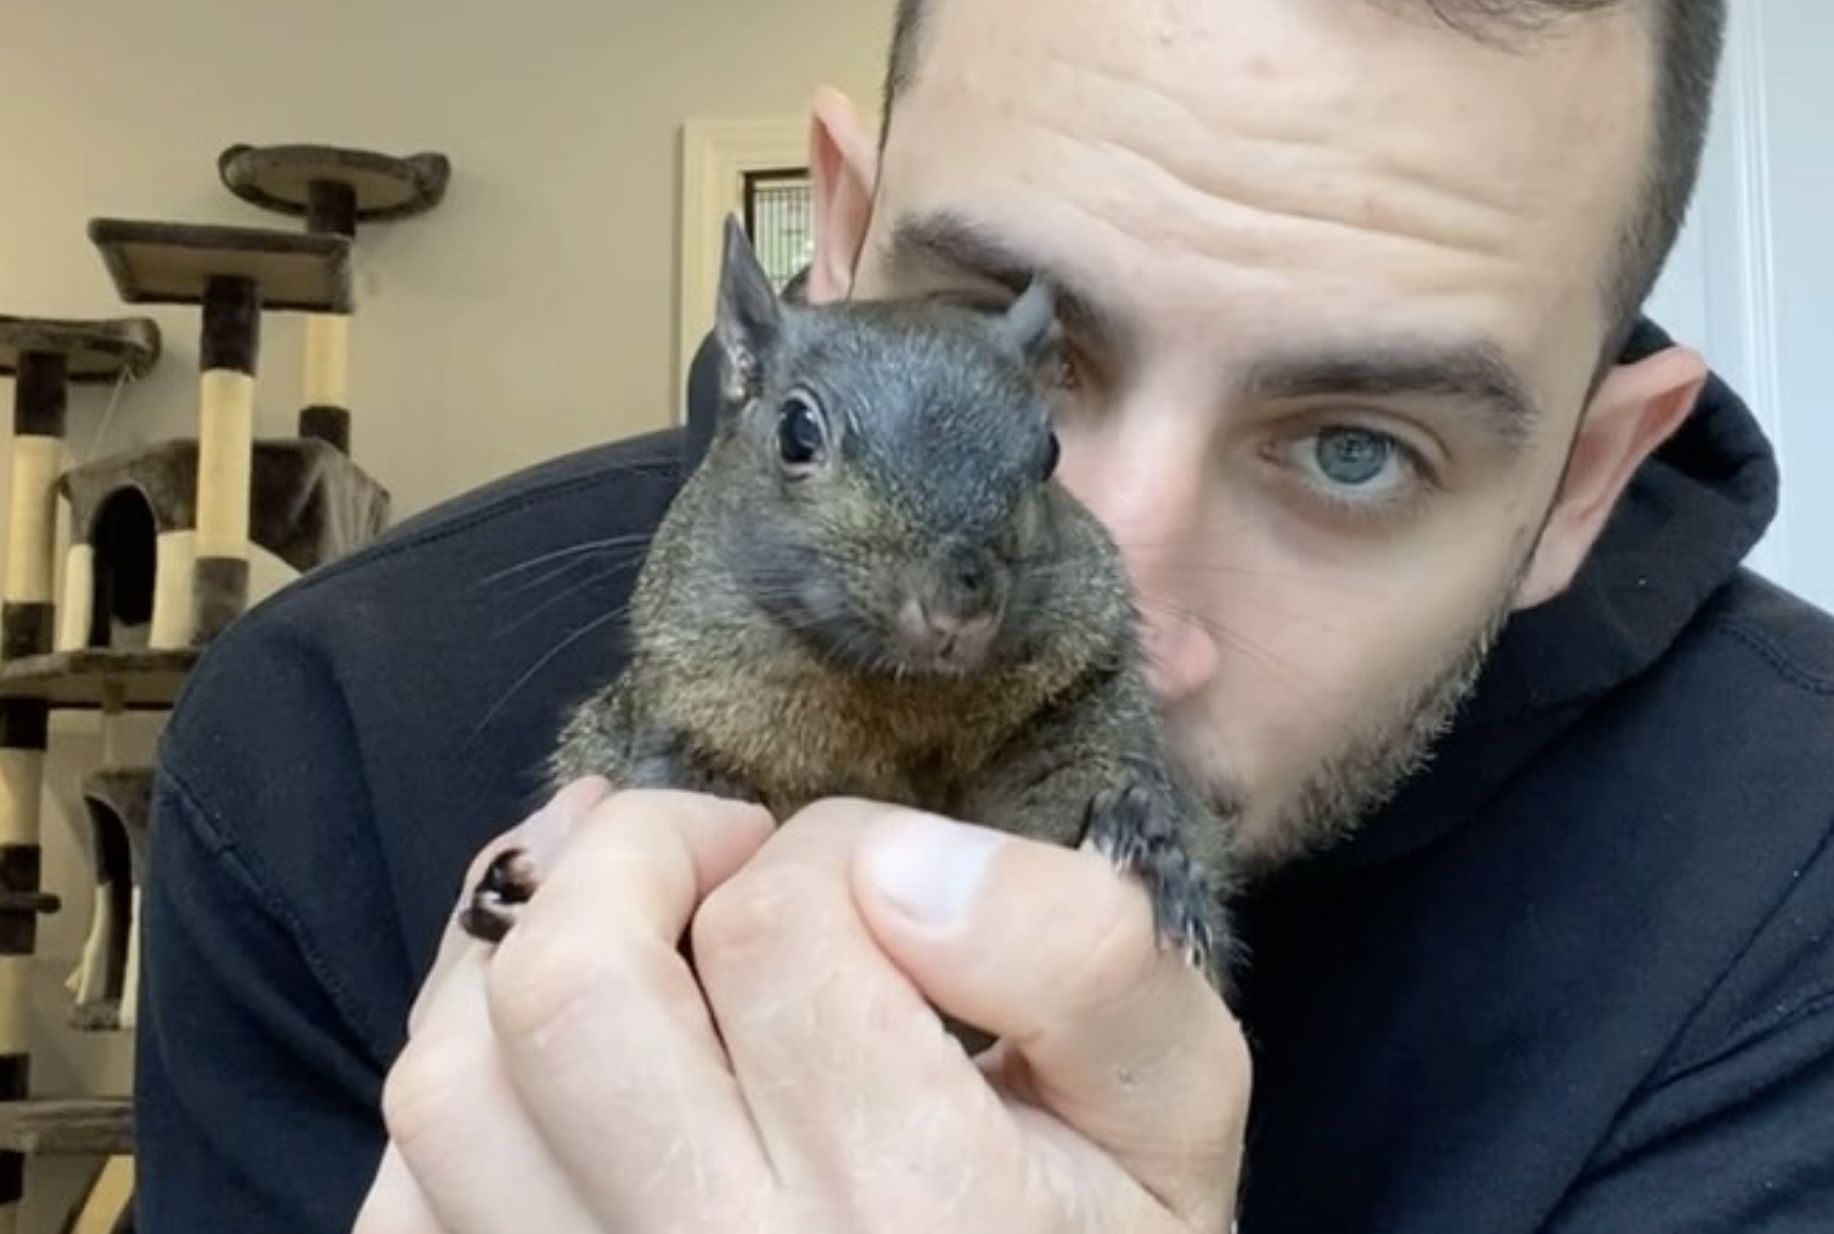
<point>1690,516</point>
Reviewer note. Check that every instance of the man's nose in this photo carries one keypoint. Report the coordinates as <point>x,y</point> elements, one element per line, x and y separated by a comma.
<point>1148,484</point>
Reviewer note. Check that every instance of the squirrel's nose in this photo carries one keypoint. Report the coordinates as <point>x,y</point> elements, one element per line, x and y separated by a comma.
<point>953,607</point>
<point>930,630</point>
<point>951,623</point>
<point>967,591</point>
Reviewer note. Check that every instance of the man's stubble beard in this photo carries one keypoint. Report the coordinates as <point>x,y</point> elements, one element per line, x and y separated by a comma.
<point>1381,753</point>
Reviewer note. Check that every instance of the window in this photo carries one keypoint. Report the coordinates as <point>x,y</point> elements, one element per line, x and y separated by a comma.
<point>779,219</point>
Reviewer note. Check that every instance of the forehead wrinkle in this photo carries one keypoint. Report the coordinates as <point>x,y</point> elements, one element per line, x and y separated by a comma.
<point>1240,222</point>
<point>1302,92</point>
<point>1303,74</point>
<point>1303,124</point>
<point>1261,180</point>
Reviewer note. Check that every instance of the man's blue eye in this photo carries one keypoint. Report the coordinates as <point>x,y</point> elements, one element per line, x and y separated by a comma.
<point>1352,456</point>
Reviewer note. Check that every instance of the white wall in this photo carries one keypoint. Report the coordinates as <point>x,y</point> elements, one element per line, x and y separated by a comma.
<point>1752,282</point>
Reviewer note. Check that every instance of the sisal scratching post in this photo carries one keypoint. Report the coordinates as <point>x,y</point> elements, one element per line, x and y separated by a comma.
<point>174,618</point>
<point>333,188</point>
<point>22,754</point>
<point>225,459</point>
<point>44,356</point>
<point>27,616</point>
<point>331,210</point>
<point>26,629</point>
<point>23,731</point>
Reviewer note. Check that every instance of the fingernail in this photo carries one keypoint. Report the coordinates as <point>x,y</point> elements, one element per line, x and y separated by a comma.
<point>930,869</point>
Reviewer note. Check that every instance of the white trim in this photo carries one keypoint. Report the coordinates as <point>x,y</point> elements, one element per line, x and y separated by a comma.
<point>715,155</point>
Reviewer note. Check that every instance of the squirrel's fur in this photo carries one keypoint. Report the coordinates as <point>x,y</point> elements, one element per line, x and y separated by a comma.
<point>769,623</point>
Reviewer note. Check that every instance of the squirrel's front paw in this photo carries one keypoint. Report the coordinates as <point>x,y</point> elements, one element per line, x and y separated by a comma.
<point>1137,825</point>
<point>507,885</point>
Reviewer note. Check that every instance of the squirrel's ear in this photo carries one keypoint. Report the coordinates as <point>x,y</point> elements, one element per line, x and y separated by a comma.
<point>747,318</point>
<point>1028,324</point>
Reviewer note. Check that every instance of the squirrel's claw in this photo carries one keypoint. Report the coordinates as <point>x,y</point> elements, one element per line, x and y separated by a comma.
<point>507,884</point>
<point>1136,825</point>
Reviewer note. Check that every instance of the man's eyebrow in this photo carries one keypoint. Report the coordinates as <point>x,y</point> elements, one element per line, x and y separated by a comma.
<point>944,239</point>
<point>1475,373</point>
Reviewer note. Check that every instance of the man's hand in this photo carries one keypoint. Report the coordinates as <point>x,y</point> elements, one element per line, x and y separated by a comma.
<point>583,1079</point>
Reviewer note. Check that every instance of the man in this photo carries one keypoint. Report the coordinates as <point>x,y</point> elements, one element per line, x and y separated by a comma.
<point>1351,376</point>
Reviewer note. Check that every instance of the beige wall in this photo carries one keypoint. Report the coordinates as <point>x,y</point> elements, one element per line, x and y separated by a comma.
<point>532,314</point>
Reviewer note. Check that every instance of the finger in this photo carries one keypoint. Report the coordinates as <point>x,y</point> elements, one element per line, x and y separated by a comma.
<point>602,1024</point>
<point>854,1084</point>
<point>394,1204</point>
<point>469,1150</point>
<point>1051,950</point>
<point>541,835</point>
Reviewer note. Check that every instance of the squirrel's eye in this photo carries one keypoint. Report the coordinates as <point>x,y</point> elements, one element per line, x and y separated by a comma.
<point>801,435</point>
<point>1052,452</point>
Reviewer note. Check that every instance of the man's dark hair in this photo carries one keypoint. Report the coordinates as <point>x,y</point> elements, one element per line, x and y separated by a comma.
<point>1688,38</point>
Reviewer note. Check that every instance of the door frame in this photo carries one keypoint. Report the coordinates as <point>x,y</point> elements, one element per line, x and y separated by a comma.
<point>716,154</point>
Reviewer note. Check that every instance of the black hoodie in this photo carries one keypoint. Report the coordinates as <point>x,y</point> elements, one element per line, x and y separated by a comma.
<point>1578,976</point>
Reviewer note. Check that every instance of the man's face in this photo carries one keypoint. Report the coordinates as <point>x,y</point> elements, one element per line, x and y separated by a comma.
<point>1332,274</point>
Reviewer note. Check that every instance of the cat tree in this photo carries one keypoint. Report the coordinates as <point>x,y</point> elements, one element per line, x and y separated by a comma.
<point>42,357</point>
<point>333,189</point>
<point>160,545</point>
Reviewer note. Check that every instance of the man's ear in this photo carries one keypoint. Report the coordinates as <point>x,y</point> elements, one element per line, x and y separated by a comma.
<point>746,320</point>
<point>1636,408</point>
<point>843,163</point>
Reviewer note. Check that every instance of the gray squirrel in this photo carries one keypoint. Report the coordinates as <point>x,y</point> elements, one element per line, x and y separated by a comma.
<point>872,585</point>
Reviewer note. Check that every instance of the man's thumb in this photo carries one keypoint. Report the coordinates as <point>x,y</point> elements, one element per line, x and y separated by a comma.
<point>1054,951</point>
